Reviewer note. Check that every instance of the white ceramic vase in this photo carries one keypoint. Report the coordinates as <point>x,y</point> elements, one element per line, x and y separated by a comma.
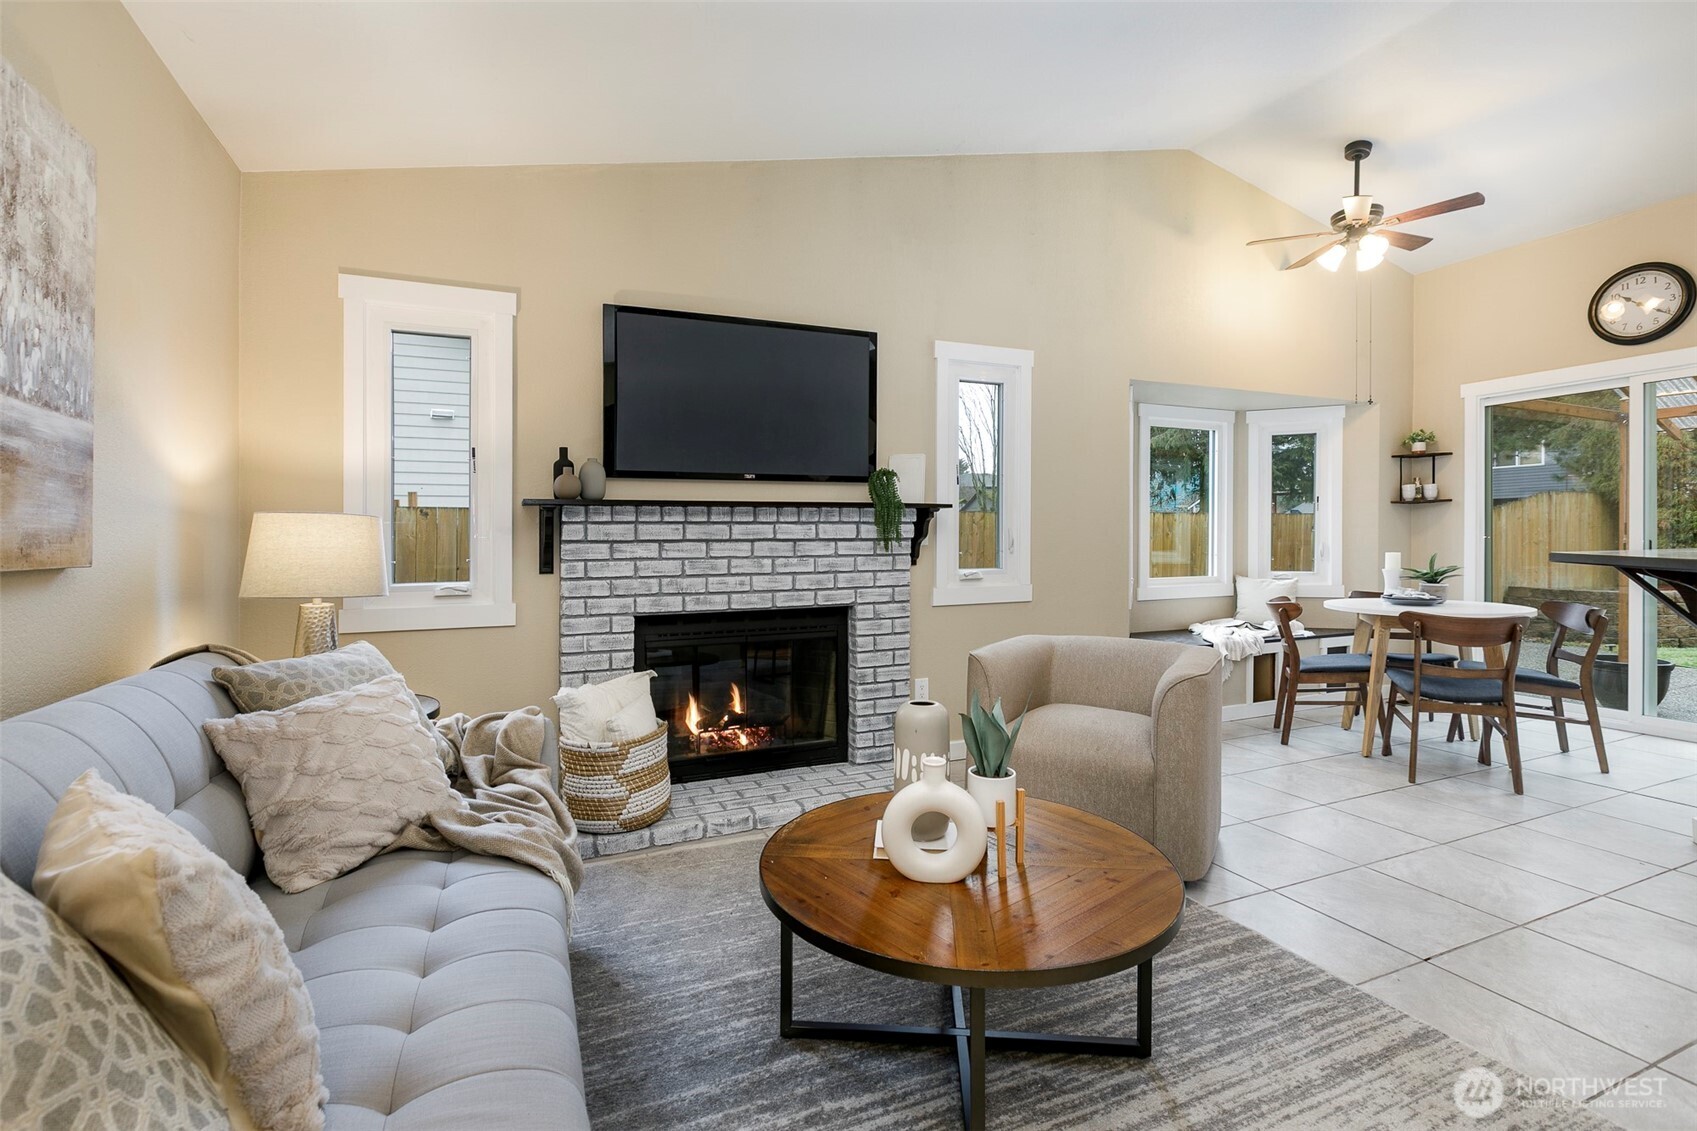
<point>934,793</point>
<point>988,791</point>
<point>593,478</point>
<point>910,476</point>
<point>1409,490</point>
<point>1393,580</point>
<point>1430,490</point>
<point>922,728</point>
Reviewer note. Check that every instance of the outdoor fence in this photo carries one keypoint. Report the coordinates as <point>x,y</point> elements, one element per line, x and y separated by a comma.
<point>432,544</point>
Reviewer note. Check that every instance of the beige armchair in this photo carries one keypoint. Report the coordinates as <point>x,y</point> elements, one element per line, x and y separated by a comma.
<point>1126,729</point>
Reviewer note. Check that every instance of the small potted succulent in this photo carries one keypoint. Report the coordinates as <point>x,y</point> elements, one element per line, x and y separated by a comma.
<point>1432,577</point>
<point>1419,438</point>
<point>990,740</point>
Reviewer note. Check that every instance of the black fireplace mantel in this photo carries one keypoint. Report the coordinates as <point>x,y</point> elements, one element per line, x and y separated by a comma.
<point>548,516</point>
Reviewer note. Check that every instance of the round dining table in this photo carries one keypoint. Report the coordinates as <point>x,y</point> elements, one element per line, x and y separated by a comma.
<point>1378,618</point>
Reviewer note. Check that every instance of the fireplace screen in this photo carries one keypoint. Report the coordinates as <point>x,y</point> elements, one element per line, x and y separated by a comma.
<point>751,691</point>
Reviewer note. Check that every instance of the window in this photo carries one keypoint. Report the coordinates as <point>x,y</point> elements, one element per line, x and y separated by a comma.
<point>984,469</point>
<point>427,446</point>
<point>1295,489</point>
<point>1183,499</point>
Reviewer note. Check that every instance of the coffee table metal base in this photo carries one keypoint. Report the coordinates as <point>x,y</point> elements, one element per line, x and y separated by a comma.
<point>967,1034</point>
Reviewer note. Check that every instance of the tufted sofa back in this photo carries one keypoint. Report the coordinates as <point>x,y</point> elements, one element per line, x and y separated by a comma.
<point>142,734</point>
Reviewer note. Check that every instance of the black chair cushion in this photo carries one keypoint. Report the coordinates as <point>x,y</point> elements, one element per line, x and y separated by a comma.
<point>1406,659</point>
<point>1447,688</point>
<point>1529,678</point>
<point>1336,662</point>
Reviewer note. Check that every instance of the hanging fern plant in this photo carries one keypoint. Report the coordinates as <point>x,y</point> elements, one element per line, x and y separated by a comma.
<point>887,506</point>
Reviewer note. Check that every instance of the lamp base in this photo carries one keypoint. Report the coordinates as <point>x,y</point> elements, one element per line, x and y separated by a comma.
<point>315,628</point>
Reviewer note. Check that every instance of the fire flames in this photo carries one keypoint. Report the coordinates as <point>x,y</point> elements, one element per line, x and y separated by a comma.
<point>729,733</point>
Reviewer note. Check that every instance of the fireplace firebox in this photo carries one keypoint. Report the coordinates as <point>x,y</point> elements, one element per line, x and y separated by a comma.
<point>749,691</point>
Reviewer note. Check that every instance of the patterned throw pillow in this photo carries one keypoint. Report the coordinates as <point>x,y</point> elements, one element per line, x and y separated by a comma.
<point>199,949</point>
<point>80,1049</point>
<point>332,781</point>
<point>275,684</point>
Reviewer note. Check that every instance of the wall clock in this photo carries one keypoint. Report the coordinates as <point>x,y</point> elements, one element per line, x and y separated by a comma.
<point>1641,303</point>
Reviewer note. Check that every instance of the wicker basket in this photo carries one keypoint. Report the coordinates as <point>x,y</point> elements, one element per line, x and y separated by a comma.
<point>617,787</point>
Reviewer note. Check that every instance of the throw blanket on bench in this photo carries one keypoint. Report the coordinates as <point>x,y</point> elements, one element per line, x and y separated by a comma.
<point>1233,640</point>
<point>507,804</point>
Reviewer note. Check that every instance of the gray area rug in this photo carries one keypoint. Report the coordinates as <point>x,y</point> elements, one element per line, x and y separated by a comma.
<point>675,965</point>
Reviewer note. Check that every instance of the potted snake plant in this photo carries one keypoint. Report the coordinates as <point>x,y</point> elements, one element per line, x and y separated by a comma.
<point>990,741</point>
<point>1432,578</point>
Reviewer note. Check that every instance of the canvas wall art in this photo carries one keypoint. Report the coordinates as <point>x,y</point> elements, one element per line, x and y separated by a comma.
<point>46,334</point>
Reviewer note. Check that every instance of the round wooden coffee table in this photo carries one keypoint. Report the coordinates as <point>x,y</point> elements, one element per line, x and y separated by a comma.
<point>1092,899</point>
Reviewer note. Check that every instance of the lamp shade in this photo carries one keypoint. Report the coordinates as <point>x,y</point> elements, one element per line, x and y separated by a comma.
<point>315,555</point>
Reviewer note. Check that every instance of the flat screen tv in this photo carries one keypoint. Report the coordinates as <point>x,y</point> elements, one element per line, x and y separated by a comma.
<point>700,396</point>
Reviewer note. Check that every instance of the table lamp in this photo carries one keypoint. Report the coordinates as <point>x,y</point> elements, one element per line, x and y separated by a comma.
<point>318,556</point>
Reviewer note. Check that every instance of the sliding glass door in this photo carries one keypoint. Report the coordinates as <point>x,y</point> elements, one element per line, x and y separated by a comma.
<point>1670,504</point>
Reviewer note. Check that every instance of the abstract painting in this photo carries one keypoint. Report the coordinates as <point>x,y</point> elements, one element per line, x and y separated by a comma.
<point>46,334</point>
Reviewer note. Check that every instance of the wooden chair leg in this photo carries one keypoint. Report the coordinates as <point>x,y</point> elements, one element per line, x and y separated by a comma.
<point>1561,722</point>
<point>1289,693</point>
<point>1386,714</point>
<point>1511,743</point>
<point>1596,732</point>
<point>1413,738</point>
<point>1456,729</point>
<point>1485,729</point>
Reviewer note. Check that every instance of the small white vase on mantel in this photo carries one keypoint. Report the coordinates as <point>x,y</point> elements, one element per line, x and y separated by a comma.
<point>988,791</point>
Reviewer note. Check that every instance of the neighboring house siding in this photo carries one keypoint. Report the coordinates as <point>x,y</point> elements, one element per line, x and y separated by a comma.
<point>432,373</point>
<point>1531,479</point>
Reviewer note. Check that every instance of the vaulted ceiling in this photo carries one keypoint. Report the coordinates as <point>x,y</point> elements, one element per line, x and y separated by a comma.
<point>1560,113</point>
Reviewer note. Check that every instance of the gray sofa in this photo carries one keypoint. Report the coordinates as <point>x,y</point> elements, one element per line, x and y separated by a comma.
<point>440,981</point>
<point>1126,729</point>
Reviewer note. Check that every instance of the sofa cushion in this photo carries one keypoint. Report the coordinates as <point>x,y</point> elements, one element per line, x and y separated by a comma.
<point>442,989</point>
<point>271,685</point>
<point>143,735</point>
<point>80,1049</point>
<point>1092,758</point>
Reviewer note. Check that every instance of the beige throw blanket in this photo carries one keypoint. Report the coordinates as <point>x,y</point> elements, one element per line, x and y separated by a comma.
<point>506,802</point>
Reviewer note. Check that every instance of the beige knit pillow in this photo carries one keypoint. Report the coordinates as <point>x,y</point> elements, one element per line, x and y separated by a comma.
<point>80,1049</point>
<point>272,685</point>
<point>196,945</point>
<point>332,781</point>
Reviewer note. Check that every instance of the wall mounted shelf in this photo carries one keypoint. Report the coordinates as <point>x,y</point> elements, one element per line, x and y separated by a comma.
<point>548,517</point>
<point>1402,459</point>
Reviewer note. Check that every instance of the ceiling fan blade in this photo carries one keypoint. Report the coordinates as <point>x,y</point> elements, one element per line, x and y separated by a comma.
<point>1408,241</point>
<point>1455,204</point>
<point>1281,239</point>
<point>1313,255</point>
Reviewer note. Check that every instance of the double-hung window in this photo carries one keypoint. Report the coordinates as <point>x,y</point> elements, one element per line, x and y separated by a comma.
<point>1295,493</point>
<point>984,470</point>
<point>1183,501</point>
<point>427,447</point>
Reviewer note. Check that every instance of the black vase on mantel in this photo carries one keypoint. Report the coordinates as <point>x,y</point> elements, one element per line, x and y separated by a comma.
<point>566,483</point>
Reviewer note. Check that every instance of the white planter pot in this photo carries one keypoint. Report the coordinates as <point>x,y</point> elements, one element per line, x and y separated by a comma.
<point>934,793</point>
<point>1436,589</point>
<point>1417,447</point>
<point>988,791</point>
<point>1408,492</point>
<point>1430,490</point>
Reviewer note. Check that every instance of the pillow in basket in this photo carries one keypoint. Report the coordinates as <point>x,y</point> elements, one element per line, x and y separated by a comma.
<point>332,781</point>
<point>587,711</point>
<point>196,945</point>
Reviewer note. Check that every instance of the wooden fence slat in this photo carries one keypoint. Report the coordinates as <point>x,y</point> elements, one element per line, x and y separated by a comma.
<point>432,544</point>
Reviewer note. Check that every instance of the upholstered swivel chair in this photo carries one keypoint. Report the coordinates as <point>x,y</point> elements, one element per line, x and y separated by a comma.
<point>1126,729</point>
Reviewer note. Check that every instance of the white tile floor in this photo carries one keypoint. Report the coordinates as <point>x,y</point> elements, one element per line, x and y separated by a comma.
<point>1555,931</point>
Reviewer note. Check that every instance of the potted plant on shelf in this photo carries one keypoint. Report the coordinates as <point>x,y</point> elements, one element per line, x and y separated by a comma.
<point>1419,438</point>
<point>1432,578</point>
<point>989,740</point>
<point>884,488</point>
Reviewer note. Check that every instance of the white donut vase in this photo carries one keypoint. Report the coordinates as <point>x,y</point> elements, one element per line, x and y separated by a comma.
<point>934,793</point>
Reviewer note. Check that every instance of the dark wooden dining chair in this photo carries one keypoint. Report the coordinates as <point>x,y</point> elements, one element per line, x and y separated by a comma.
<point>1580,620</point>
<point>1395,659</point>
<point>1485,690</point>
<point>1348,670</point>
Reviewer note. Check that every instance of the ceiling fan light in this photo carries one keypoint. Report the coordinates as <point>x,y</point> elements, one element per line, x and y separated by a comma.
<point>1371,252</point>
<point>1357,209</point>
<point>1332,258</point>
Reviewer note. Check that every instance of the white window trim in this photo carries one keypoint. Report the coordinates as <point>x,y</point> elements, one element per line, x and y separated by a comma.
<point>1326,579</point>
<point>1011,583</point>
<point>371,309</point>
<point>1219,581</point>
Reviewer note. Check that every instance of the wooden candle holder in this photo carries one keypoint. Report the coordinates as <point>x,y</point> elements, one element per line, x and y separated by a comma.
<point>1019,834</point>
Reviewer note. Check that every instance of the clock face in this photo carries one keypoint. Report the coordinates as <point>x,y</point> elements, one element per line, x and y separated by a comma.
<point>1641,303</point>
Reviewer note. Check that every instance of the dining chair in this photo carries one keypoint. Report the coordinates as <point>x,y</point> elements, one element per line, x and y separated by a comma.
<point>1394,659</point>
<point>1349,670</point>
<point>1581,620</point>
<point>1485,690</point>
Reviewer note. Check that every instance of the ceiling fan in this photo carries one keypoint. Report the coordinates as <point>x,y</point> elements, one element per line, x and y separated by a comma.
<point>1359,223</point>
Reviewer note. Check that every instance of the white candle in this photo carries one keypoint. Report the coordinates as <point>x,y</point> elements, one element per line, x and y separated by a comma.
<point>1393,560</point>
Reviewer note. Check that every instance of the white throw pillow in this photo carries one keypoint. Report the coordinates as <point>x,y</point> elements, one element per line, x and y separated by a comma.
<point>633,720</point>
<point>585,711</point>
<point>1253,593</point>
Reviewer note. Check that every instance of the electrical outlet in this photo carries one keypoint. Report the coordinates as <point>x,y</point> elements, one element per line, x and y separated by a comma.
<point>921,688</point>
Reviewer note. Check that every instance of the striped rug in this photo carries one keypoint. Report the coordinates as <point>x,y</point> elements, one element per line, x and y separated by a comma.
<point>674,959</point>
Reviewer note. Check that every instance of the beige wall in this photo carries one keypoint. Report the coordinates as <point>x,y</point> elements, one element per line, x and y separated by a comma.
<point>166,536</point>
<point>1112,267</point>
<point>1523,310</point>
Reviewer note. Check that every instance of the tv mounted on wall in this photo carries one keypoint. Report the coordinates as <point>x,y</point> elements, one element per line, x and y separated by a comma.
<point>700,396</point>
